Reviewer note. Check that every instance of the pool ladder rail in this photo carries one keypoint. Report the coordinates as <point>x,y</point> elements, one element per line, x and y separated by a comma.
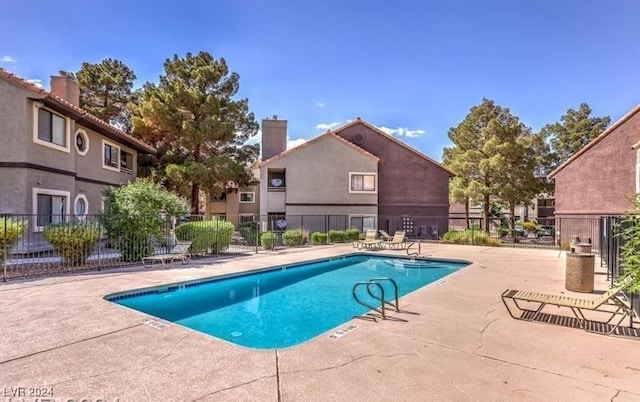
<point>375,282</point>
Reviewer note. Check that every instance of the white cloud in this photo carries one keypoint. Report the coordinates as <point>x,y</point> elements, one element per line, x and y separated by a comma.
<point>35,82</point>
<point>320,105</point>
<point>8,59</point>
<point>294,143</point>
<point>327,126</point>
<point>402,132</point>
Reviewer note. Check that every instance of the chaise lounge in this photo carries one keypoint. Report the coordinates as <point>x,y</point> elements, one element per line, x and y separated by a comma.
<point>179,252</point>
<point>398,240</point>
<point>369,242</point>
<point>608,304</point>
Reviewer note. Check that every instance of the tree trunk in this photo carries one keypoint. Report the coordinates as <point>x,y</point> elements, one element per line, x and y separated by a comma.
<point>485,212</point>
<point>195,198</point>
<point>466,213</point>
<point>512,219</point>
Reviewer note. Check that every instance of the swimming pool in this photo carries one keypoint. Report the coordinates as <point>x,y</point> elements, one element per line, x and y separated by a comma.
<point>285,305</point>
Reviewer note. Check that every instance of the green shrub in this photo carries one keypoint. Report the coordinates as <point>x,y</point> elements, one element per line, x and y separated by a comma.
<point>268,240</point>
<point>73,241</point>
<point>469,237</point>
<point>352,234</point>
<point>249,232</point>
<point>10,230</point>
<point>337,236</point>
<point>136,213</point>
<point>206,235</point>
<point>292,238</point>
<point>318,238</point>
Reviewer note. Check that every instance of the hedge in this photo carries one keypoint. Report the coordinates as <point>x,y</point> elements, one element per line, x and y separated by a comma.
<point>73,241</point>
<point>292,238</point>
<point>206,236</point>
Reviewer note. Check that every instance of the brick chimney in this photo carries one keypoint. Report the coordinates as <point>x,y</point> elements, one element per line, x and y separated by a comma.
<point>65,88</point>
<point>274,137</point>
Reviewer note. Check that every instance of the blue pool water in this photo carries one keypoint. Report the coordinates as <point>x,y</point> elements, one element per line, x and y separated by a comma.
<point>284,306</point>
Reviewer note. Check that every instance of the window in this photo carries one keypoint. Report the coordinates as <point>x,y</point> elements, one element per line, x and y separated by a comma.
<point>49,206</point>
<point>219,198</point>
<point>82,142</point>
<point>276,180</point>
<point>363,223</point>
<point>362,182</point>
<point>126,162</point>
<point>81,206</point>
<point>247,197</point>
<point>111,159</point>
<point>50,129</point>
<point>244,218</point>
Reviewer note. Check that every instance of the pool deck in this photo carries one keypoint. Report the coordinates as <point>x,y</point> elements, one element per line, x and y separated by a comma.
<point>460,345</point>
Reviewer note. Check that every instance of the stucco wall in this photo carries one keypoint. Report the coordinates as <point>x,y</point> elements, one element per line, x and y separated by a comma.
<point>409,184</point>
<point>319,174</point>
<point>15,123</point>
<point>602,180</point>
<point>90,165</point>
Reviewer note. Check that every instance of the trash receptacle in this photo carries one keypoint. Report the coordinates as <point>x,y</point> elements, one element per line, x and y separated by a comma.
<point>580,272</point>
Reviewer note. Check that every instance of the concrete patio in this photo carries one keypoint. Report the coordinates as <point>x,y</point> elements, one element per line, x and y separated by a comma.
<point>60,334</point>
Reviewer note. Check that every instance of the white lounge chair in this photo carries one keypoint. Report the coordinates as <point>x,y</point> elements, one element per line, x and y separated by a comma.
<point>179,252</point>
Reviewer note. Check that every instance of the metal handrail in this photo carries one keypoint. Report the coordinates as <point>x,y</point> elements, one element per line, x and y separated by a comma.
<point>414,253</point>
<point>382,299</point>
<point>371,307</point>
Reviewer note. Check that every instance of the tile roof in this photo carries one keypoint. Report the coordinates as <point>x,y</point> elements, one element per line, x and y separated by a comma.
<point>80,114</point>
<point>596,140</point>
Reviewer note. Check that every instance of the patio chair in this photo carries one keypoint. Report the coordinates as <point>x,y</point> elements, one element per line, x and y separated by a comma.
<point>179,252</point>
<point>369,242</point>
<point>608,304</point>
<point>398,240</point>
<point>384,235</point>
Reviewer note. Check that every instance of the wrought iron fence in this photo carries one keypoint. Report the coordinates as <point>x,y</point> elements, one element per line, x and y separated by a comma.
<point>55,244</point>
<point>611,244</point>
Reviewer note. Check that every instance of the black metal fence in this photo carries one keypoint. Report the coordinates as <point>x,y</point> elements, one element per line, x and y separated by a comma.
<point>611,244</point>
<point>35,245</point>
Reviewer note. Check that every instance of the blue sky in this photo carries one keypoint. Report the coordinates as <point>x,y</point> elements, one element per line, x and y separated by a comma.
<point>412,66</point>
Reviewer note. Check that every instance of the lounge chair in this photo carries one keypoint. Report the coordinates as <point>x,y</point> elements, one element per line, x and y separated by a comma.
<point>608,304</point>
<point>398,240</point>
<point>369,242</point>
<point>384,235</point>
<point>179,252</point>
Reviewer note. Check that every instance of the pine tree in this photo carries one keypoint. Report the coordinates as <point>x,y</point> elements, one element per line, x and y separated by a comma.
<point>200,130</point>
<point>106,91</point>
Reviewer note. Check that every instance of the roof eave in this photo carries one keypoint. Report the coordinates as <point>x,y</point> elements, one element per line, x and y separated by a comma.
<point>596,140</point>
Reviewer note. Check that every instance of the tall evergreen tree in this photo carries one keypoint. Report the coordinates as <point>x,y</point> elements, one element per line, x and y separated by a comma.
<point>106,91</point>
<point>200,130</point>
<point>575,129</point>
<point>492,155</point>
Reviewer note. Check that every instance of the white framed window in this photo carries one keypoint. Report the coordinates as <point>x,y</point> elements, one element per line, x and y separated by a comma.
<point>363,182</point>
<point>81,142</point>
<point>111,156</point>
<point>80,206</point>
<point>244,218</point>
<point>50,129</point>
<point>49,207</point>
<point>247,197</point>
<point>363,222</point>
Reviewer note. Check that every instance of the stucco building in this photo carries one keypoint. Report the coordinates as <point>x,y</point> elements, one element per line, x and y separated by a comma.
<point>55,158</point>
<point>355,173</point>
<point>601,179</point>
